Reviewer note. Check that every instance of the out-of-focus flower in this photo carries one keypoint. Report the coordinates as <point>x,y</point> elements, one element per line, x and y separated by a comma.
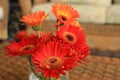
<point>64,13</point>
<point>21,34</point>
<point>76,24</point>
<point>85,51</point>
<point>46,37</point>
<point>51,60</point>
<point>26,46</point>
<point>35,20</point>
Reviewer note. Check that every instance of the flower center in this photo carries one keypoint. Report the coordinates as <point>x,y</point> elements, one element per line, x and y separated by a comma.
<point>62,18</point>
<point>70,37</point>
<point>53,62</point>
<point>27,48</point>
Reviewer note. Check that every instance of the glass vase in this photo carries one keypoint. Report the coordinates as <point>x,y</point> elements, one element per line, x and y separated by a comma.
<point>62,77</point>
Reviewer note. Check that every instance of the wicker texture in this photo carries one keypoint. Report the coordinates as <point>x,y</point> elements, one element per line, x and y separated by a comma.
<point>13,68</point>
<point>97,68</point>
<point>3,23</point>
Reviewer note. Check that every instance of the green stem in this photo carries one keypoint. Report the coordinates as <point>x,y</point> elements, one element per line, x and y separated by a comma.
<point>38,34</point>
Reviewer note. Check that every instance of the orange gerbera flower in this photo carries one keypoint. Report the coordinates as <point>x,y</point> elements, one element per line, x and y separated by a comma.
<point>74,37</point>
<point>76,24</point>
<point>26,46</point>
<point>64,13</point>
<point>71,34</point>
<point>34,19</point>
<point>52,61</point>
<point>46,37</point>
<point>21,34</point>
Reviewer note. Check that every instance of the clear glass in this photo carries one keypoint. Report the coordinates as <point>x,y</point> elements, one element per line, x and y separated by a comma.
<point>33,77</point>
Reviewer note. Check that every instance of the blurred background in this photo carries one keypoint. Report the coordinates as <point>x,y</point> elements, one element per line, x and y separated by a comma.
<point>100,20</point>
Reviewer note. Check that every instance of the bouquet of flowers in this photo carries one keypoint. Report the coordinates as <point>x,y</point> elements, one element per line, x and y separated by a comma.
<point>51,55</point>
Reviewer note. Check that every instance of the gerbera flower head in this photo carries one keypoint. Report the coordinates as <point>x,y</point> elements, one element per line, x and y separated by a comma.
<point>76,24</point>
<point>35,19</point>
<point>26,46</point>
<point>46,37</point>
<point>51,60</point>
<point>85,51</point>
<point>21,34</point>
<point>71,34</point>
<point>64,13</point>
<point>73,37</point>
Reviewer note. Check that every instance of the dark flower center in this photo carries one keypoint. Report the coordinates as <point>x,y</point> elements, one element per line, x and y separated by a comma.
<point>18,40</point>
<point>70,37</point>
<point>53,62</point>
<point>26,48</point>
<point>63,18</point>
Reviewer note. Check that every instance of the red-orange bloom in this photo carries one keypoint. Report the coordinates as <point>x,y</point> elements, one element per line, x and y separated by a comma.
<point>74,37</point>
<point>76,24</point>
<point>64,13</point>
<point>26,46</point>
<point>34,19</point>
<point>46,37</point>
<point>21,34</point>
<point>51,60</point>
